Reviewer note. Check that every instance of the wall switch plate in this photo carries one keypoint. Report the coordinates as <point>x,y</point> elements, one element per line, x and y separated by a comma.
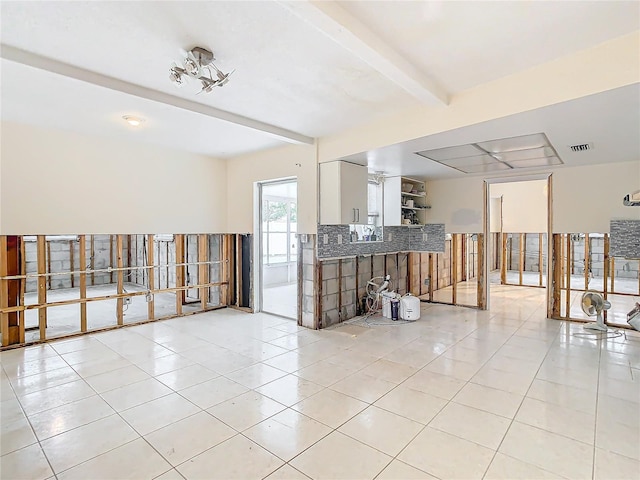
<point>424,237</point>
<point>426,282</point>
<point>339,239</point>
<point>325,238</point>
<point>127,301</point>
<point>148,297</point>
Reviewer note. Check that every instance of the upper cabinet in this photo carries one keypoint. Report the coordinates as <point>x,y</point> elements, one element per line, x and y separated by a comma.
<point>343,193</point>
<point>405,201</point>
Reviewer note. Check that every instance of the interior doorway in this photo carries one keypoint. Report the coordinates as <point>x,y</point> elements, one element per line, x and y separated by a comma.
<point>278,248</point>
<point>518,222</point>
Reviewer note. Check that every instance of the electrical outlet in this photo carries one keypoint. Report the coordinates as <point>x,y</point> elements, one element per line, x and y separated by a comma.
<point>325,238</point>
<point>424,237</point>
<point>127,301</point>
<point>391,237</point>
<point>339,239</point>
<point>426,282</point>
<point>148,297</point>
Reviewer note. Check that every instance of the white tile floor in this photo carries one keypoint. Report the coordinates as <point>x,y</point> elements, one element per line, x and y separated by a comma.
<point>461,393</point>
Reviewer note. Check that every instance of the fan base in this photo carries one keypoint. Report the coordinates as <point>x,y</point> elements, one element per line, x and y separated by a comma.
<point>596,326</point>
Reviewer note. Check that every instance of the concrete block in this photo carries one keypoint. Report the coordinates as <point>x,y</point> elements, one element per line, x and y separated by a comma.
<point>348,267</point>
<point>307,287</point>
<point>329,270</point>
<point>330,286</point>
<point>308,304</point>
<point>349,283</point>
<point>308,256</point>
<point>308,319</point>
<point>329,302</point>
<point>330,317</point>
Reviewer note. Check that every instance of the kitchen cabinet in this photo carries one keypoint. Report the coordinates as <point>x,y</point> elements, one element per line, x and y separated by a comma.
<point>343,193</point>
<point>405,201</point>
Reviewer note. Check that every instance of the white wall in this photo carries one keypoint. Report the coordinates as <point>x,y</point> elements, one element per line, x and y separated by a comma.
<point>289,161</point>
<point>524,206</point>
<point>585,199</point>
<point>57,182</point>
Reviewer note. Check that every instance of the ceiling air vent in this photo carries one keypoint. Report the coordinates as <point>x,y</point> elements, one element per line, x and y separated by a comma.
<point>581,148</point>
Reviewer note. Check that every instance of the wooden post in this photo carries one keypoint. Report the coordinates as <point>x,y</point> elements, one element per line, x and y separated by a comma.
<point>48,256</point>
<point>179,242</point>
<point>586,261</point>
<point>606,271</point>
<point>568,273</point>
<point>613,273</point>
<point>4,291</point>
<point>93,267</point>
<point>482,291</point>
<point>454,268</point>
<point>340,290</point>
<point>203,269</point>
<point>23,288</point>
<point>111,257</point>
<point>83,283</point>
<point>120,281</point>
<point>540,258</point>
<point>556,272</point>
<point>503,260</point>
<point>464,258</point>
<point>42,285</point>
<point>151,274</point>
<point>238,270</point>
<point>318,272</point>
<point>224,293</point>
<point>72,263</point>
<point>410,260</point>
<point>431,279</point>
<point>521,259</point>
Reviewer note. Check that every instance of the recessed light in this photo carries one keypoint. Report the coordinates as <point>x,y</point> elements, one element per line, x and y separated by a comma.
<point>133,121</point>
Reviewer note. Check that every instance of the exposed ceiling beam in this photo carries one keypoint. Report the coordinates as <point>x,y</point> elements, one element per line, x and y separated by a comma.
<point>346,30</point>
<point>43,63</point>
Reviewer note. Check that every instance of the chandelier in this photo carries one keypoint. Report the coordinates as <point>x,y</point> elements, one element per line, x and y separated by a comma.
<point>199,65</point>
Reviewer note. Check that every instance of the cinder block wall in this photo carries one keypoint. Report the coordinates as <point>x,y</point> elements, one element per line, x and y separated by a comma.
<point>164,252</point>
<point>531,252</point>
<point>62,254</point>
<point>344,283</point>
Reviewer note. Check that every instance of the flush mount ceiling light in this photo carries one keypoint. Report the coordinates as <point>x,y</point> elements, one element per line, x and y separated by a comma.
<point>526,151</point>
<point>199,65</point>
<point>133,121</point>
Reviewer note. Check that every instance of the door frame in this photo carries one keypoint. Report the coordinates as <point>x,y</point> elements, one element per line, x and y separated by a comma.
<point>258,273</point>
<point>487,229</point>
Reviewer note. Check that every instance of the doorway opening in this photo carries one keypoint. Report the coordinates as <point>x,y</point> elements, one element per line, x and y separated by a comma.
<point>518,224</point>
<point>278,248</point>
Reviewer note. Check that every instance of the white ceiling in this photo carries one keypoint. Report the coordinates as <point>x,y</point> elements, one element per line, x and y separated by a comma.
<point>288,72</point>
<point>610,120</point>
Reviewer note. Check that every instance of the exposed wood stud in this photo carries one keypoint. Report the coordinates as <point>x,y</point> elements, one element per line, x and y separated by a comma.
<point>521,259</point>
<point>503,260</point>
<point>358,310</point>
<point>540,258</point>
<point>606,270</point>
<point>454,268</point>
<point>203,270</point>
<point>587,262</point>
<point>431,278</point>
<point>556,271</point>
<point>482,291</point>
<point>23,288</point>
<point>4,291</point>
<point>300,284</point>
<point>83,282</point>
<point>42,285</point>
<point>340,290</point>
<point>318,272</point>
<point>120,281</point>
<point>72,263</point>
<point>150,277</point>
<point>612,273</point>
<point>92,247</point>
<point>48,256</point>
<point>568,281</point>
<point>179,243</point>
<point>111,257</point>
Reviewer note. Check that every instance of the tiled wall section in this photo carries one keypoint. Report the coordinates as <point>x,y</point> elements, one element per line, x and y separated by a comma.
<point>625,238</point>
<point>396,239</point>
